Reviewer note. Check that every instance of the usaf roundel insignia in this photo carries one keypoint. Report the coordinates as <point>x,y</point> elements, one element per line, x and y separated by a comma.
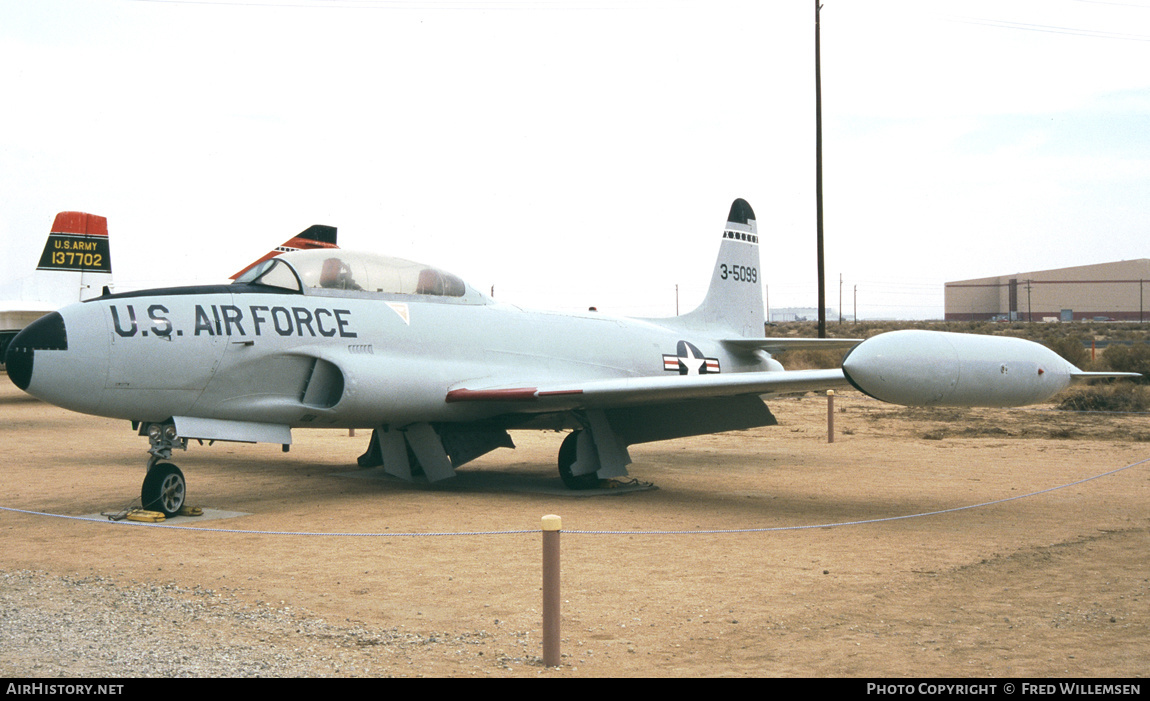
<point>689,360</point>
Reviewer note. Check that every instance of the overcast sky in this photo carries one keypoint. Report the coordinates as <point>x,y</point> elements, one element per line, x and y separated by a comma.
<point>574,153</point>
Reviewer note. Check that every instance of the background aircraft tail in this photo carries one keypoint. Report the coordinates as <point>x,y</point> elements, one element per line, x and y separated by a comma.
<point>76,261</point>
<point>315,236</point>
<point>75,265</point>
<point>734,302</point>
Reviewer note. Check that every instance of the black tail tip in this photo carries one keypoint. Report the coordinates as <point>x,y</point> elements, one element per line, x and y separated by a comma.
<point>320,233</point>
<point>741,212</point>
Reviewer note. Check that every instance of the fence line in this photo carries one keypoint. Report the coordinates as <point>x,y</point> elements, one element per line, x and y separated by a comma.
<point>724,531</point>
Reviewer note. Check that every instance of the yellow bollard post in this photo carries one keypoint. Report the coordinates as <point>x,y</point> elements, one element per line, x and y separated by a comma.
<point>830,416</point>
<point>552,525</point>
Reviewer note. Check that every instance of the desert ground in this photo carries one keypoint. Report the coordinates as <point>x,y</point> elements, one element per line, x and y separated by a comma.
<point>1047,584</point>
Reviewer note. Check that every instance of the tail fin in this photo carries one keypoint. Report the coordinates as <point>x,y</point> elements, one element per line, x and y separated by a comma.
<point>734,302</point>
<point>74,266</point>
<point>78,256</point>
<point>315,236</point>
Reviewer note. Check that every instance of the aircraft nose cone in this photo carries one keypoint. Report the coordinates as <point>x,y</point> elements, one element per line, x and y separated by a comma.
<point>46,333</point>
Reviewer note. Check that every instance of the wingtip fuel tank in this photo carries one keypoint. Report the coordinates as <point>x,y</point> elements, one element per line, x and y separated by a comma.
<point>933,368</point>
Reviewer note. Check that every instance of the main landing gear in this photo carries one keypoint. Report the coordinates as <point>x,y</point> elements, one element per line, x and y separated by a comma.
<point>164,489</point>
<point>567,453</point>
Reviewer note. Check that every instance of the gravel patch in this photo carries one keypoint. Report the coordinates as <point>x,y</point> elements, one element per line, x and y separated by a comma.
<point>55,626</point>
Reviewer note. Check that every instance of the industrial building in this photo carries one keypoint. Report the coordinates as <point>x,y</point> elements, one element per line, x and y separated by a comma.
<point>798,314</point>
<point>1106,291</point>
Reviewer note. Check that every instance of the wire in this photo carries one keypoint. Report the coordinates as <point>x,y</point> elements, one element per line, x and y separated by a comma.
<point>410,4</point>
<point>1026,26</point>
<point>771,529</point>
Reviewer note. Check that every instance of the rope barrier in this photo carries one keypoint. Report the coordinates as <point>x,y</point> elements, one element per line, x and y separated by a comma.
<point>770,529</point>
<point>871,520</point>
<point>1038,409</point>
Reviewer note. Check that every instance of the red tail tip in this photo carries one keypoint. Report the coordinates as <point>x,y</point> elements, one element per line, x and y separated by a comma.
<point>80,223</point>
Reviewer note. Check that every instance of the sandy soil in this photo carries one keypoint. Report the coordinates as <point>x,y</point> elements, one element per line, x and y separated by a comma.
<point>1055,584</point>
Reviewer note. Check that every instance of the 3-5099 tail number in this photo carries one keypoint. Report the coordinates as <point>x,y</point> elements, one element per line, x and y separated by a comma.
<point>738,273</point>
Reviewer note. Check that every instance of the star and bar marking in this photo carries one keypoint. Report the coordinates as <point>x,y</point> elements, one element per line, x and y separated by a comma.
<point>689,360</point>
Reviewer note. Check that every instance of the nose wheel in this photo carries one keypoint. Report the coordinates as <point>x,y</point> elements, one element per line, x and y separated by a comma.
<point>164,489</point>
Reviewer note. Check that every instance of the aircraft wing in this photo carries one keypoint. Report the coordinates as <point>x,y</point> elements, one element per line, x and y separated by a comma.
<point>1082,375</point>
<point>629,391</point>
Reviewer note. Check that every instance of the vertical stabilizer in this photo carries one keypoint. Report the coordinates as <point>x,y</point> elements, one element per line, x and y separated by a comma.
<point>315,236</point>
<point>77,256</point>
<point>75,265</point>
<point>734,302</point>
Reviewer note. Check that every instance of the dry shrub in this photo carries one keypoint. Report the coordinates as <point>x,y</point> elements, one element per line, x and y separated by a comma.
<point>810,359</point>
<point>1132,358</point>
<point>1071,347</point>
<point>1117,396</point>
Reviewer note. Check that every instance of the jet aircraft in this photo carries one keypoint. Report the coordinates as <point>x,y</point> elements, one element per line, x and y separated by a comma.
<point>330,338</point>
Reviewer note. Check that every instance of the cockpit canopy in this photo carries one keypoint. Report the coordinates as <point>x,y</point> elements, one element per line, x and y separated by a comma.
<point>336,272</point>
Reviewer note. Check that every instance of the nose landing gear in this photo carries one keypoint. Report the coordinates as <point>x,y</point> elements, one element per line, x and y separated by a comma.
<point>164,488</point>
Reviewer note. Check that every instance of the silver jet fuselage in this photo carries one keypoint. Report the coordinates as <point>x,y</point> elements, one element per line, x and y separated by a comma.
<point>335,358</point>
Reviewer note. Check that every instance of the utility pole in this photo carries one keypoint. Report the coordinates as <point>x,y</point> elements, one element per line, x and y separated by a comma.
<point>819,177</point>
<point>840,298</point>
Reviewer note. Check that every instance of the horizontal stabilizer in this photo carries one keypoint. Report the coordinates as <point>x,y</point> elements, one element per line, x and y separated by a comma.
<point>779,345</point>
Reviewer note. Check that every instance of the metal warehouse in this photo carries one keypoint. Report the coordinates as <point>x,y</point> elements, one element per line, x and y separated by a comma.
<point>1105,291</point>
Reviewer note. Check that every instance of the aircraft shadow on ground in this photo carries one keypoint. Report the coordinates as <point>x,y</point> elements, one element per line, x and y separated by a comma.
<point>494,480</point>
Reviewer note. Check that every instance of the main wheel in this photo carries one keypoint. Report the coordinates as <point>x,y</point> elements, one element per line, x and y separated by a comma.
<point>567,453</point>
<point>164,489</point>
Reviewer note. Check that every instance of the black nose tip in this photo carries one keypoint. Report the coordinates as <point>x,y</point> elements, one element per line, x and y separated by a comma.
<point>46,333</point>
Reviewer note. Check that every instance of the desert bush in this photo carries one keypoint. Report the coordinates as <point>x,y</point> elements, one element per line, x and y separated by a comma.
<point>1116,396</point>
<point>811,359</point>
<point>1071,347</point>
<point>1133,358</point>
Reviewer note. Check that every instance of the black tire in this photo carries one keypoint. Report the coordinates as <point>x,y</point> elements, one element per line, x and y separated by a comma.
<point>567,459</point>
<point>164,489</point>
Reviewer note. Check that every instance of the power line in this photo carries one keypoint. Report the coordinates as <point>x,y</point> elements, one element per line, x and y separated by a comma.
<point>1111,2</point>
<point>412,4</point>
<point>1049,29</point>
